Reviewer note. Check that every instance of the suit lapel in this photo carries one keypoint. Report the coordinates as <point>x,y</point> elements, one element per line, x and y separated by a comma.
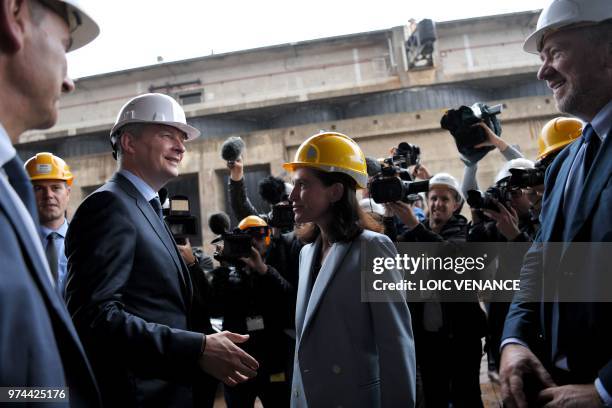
<point>38,268</point>
<point>332,263</point>
<point>555,202</point>
<point>159,227</point>
<point>304,285</point>
<point>597,177</point>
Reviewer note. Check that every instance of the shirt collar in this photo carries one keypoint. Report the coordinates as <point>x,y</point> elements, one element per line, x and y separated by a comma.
<point>7,151</point>
<point>143,188</point>
<point>602,122</point>
<point>44,231</point>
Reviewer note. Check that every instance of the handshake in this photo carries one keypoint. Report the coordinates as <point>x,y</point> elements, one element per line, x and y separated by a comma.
<point>224,360</point>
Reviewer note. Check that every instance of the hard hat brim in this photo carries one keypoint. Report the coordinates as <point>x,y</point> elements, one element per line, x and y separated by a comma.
<point>360,179</point>
<point>555,147</point>
<point>190,131</point>
<point>85,32</point>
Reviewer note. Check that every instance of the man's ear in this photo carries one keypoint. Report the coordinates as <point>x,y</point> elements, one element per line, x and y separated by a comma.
<point>13,14</point>
<point>127,141</point>
<point>336,191</point>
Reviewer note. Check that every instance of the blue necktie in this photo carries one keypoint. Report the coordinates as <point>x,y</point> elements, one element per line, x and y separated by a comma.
<point>51,253</point>
<point>156,204</point>
<point>19,180</point>
<point>579,171</point>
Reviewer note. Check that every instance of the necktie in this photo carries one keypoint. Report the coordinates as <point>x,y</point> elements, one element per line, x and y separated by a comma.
<point>51,253</point>
<point>156,204</point>
<point>579,170</point>
<point>22,185</point>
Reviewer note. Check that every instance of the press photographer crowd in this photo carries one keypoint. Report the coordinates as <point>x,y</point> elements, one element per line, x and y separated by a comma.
<point>117,308</point>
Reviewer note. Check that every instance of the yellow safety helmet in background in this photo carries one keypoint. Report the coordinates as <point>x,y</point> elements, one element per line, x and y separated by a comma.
<point>556,134</point>
<point>257,226</point>
<point>46,166</point>
<point>332,152</point>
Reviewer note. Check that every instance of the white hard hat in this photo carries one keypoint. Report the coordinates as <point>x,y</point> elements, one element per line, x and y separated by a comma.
<point>370,206</point>
<point>447,181</point>
<point>519,163</point>
<point>154,108</point>
<point>563,13</point>
<point>83,29</point>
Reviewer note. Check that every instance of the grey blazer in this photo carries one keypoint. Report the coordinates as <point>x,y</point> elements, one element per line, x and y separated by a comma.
<point>350,353</point>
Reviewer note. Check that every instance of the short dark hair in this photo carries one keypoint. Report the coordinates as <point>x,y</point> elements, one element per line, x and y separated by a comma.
<point>135,129</point>
<point>349,219</point>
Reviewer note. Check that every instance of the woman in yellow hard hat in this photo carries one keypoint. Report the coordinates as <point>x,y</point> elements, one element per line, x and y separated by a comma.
<point>349,352</point>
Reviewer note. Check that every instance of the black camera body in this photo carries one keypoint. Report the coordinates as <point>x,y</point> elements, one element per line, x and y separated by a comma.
<point>179,219</point>
<point>486,200</point>
<point>281,216</point>
<point>460,123</point>
<point>524,178</point>
<point>387,187</point>
<point>391,189</point>
<point>406,155</point>
<point>236,245</point>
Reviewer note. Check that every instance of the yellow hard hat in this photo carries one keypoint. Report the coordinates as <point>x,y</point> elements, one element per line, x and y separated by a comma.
<point>332,152</point>
<point>556,134</point>
<point>46,166</point>
<point>256,226</point>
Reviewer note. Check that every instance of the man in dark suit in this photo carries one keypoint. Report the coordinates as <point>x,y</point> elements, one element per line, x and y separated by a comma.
<point>560,353</point>
<point>39,346</point>
<point>129,291</point>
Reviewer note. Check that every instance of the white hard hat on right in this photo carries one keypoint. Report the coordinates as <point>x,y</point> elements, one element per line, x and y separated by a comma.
<point>563,13</point>
<point>519,163</point>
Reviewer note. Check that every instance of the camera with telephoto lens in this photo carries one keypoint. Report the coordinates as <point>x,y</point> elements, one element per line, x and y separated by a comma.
<point>179,219</point>
<point>460,123</point>
<point>524,178</point>
<point>486,201</point>
<point>393,182</point>
<point>281,216</point>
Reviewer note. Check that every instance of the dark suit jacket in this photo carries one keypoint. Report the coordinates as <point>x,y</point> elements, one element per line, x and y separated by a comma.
<point>39,346</point>
<point>129,294</point>
<point>584,328</point>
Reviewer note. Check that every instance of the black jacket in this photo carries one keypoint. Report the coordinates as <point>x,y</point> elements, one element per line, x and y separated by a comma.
<point>129,294</point>
<point>460,319</point>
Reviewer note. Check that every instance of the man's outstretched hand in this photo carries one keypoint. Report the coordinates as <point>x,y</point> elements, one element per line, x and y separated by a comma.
<point>225,361</point>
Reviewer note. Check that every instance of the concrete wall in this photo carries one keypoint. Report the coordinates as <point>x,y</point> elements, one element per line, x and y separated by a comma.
<point>486,49</point>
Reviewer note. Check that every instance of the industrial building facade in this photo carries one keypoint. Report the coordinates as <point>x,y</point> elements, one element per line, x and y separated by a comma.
<point>380,88</point>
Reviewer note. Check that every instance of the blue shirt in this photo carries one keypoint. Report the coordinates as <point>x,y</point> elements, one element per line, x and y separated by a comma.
<point>59,249</point>
<point>143,188</point>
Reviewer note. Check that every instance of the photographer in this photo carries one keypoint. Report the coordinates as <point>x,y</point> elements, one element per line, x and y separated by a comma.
<point>507,219</point>
<point>254,299</point>
<point>447,335</point>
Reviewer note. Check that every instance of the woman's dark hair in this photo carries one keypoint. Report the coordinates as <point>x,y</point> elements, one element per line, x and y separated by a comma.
<point>349,220</point>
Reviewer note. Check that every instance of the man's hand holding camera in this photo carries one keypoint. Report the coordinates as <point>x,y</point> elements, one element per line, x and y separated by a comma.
<point>187,252</point>
<point>404,212</point>
<point>255,262</point>
<point>506,220</point>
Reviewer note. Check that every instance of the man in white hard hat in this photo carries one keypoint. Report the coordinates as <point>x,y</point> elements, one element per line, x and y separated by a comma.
<point>560,353</point>
<point>39,346</point>
<point>129,290</point>
<point>447,334</point>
